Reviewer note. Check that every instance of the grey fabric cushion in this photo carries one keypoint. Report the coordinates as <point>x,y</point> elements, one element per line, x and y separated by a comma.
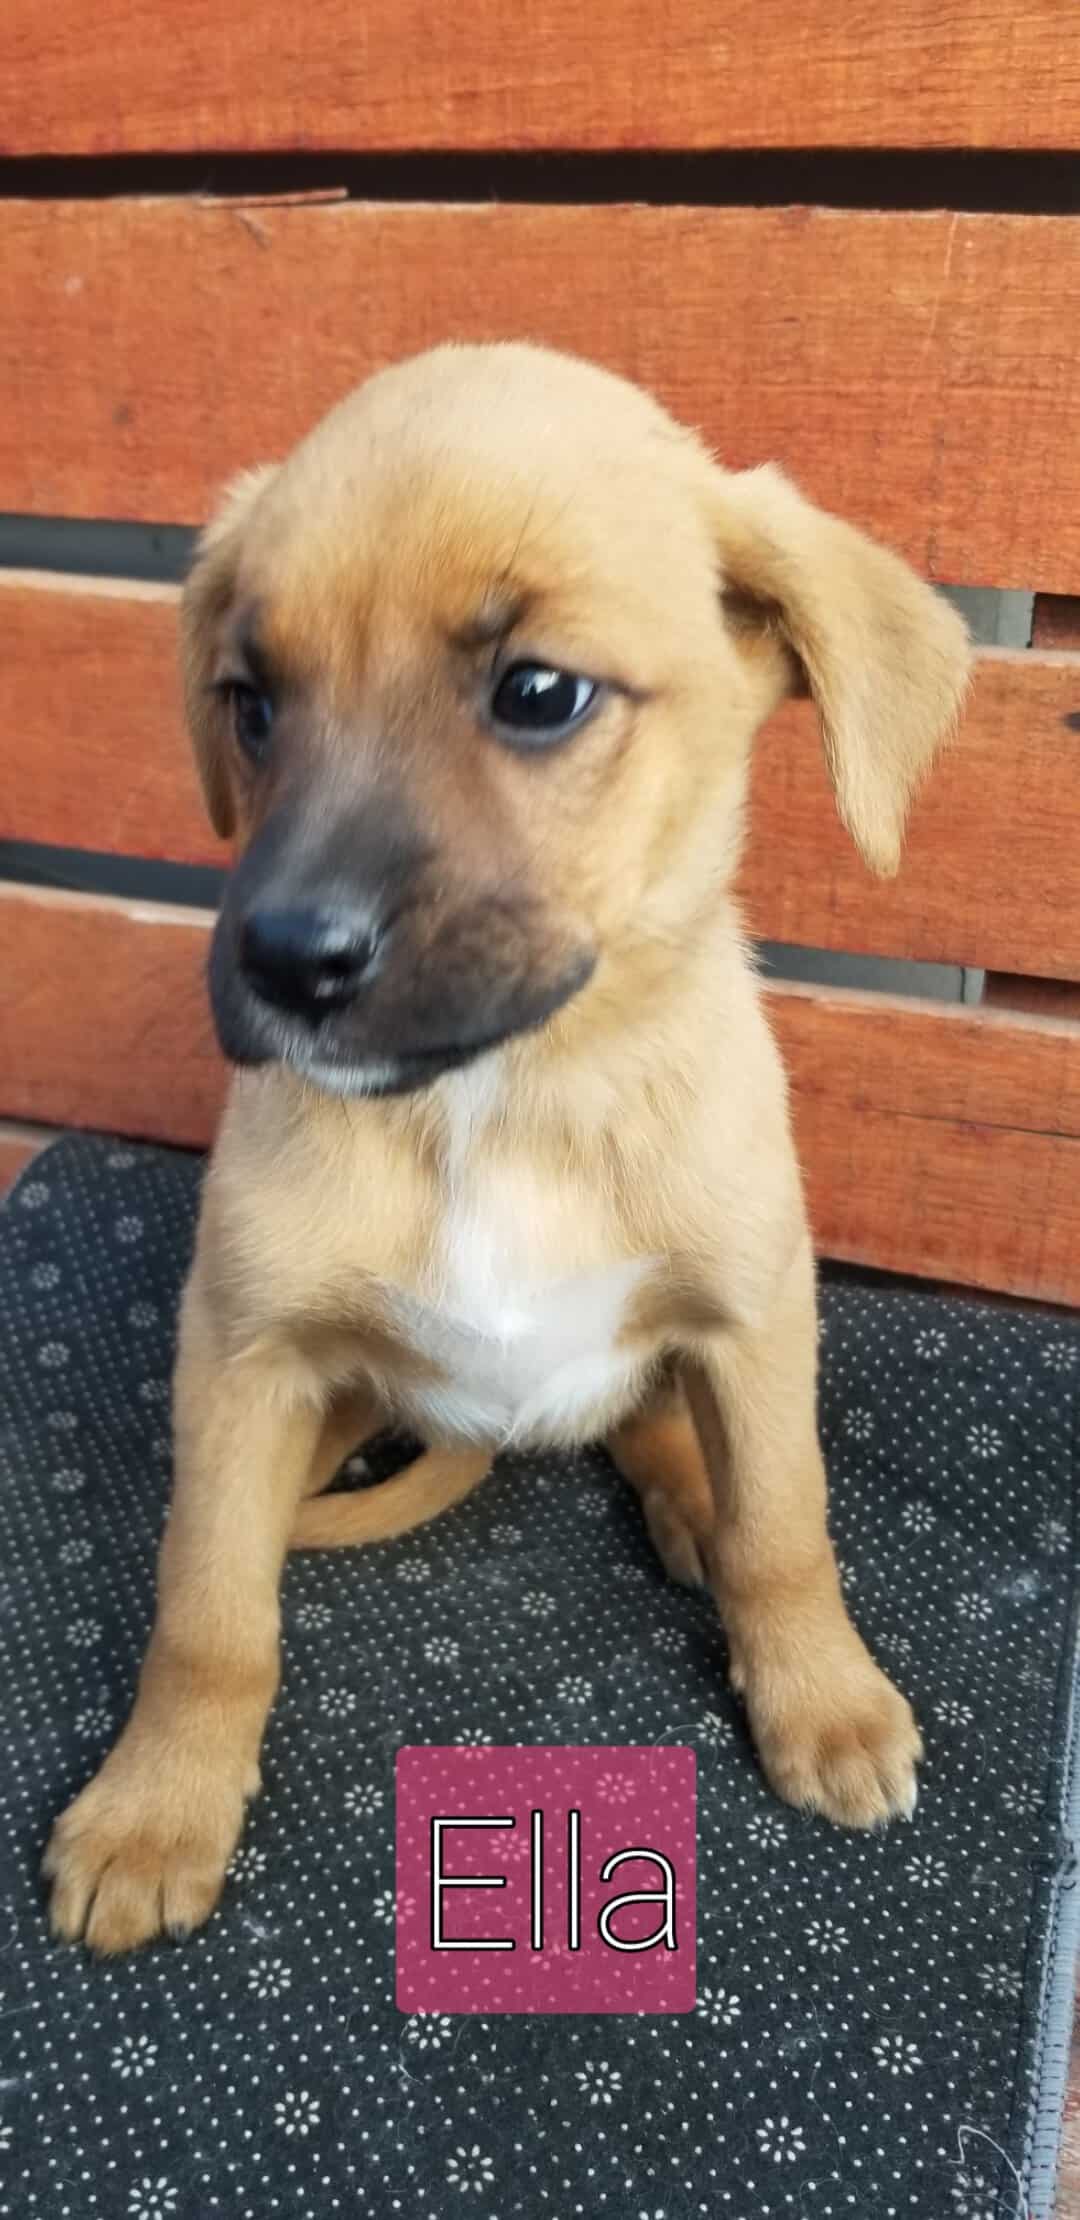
<point>871,2033</point>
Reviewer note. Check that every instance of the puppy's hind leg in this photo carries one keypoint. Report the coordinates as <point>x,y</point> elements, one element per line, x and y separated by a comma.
<point>658,1451</point>
<point>352,1419</point>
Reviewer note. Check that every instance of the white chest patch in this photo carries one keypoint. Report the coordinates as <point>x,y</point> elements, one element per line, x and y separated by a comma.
<point>524,1312</point>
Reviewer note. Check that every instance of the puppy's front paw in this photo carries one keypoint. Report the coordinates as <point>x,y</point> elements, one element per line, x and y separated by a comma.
<point>834,1736</point>
<point>143,1850</point>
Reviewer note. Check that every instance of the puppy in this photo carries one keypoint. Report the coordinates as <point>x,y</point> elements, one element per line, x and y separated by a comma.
<point>472,680</point>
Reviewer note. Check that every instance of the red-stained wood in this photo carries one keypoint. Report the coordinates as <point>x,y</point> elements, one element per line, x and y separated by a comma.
<point>1067,2203</point>
<point>1041,997</point>
<point>1055,621</point>
<point>937,1141</point>
<point>96,757</point>
<point>91,726</point>
<point>104,1020</point>
<point>19,1144</point>
<point>404,74</point>
<point>148,347</point>
<point>992,860</point>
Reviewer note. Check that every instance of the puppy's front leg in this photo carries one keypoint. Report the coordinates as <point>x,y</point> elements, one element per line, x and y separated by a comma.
<point>144,1848</point>
<point>832,1733</point>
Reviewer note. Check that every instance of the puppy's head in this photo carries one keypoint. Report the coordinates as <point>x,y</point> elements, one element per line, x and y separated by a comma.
<point>472,679</point>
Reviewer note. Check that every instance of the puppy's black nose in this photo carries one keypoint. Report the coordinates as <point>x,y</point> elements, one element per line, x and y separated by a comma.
<point>307,961</point>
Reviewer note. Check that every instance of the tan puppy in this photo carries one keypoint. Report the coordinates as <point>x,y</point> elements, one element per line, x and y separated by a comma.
<point>473,679</point>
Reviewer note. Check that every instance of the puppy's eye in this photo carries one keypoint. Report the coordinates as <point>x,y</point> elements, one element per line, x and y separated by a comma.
<point>252,716</point>
<point>539,704</point>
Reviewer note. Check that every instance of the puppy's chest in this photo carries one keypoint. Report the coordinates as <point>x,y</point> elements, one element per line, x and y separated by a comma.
<point>518,1314</point>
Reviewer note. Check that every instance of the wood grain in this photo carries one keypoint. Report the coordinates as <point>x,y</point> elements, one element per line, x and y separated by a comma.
<point>104,1021</point>
<point>915,371</point>
<point>1044,997</point>
<point>1055,621</point>
<point>96,757</point>
<point>993,855</point>
<point>1067,2204</point>
<point>405,74</point>
<point>91,726</point>
<point>937,1141</point>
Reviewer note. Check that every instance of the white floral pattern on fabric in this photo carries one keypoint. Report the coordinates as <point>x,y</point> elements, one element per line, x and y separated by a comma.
<point>269,1977</point>
<point>363,1798</point>
<point>152,2199</point>
<point>953,1713</point>
<point>1022,1798</point>
<point>930,1343</point>
<point>67,1480</point>
<point>984,1440</point>
<point>92,1721</point>
<point>337,1703</point>
<point>430,2030</point>
<point>926,1871</point>
<point>895,2055</point>
<point>133,2056</point>
<point>768,1829</point>
<point>312,1616</point>
<point>1058,1356</point>
<point>441,1649</point>
<point>1000,1981</point>
<point>297,2112</point>
<point>598,2081</point>
<point>470,2168</point>
<point>248,1863</point>
<point>719,2007</point>
<point>84,1632</point>
<point>714,1727</point>
<point>975,2197</point>
<point>974,1608</point>
<point>843,1979</point>
<point>827,1935</point>
<point>781,2139</point>
<point>918,1518</point>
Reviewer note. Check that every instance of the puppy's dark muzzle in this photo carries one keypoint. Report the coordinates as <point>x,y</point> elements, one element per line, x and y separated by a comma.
<point>308,963</point>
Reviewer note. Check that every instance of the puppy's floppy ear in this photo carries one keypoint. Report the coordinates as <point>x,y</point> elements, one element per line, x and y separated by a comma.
<point>209,589</point>
<point>885,658</point>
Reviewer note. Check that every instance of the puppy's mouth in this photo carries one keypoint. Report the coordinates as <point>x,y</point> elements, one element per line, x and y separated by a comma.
<point>396,1055</point>
<point>398,1075</point>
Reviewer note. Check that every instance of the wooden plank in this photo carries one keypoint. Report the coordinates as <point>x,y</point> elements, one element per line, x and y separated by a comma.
<point>890,360</point>
<point>19,1144</point>
<point>96,757</point>
<point>937,1140</point>
<point>992,860</point>
<point>404,74</point>
<point>1067,2206</point>
<point>104,1020</point>
<point>91,728</point>
<point>1041,997</point>
<point>1055,621</point>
